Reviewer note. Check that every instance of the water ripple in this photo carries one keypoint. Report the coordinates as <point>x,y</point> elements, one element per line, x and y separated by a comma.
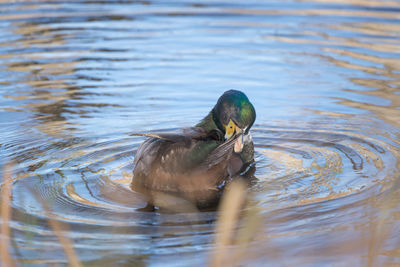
<point>78,78</point>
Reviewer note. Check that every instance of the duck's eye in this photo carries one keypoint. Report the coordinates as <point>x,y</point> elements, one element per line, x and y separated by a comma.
<point>230,129</point>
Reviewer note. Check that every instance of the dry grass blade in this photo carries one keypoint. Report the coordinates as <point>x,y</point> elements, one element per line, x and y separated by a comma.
<point>229,209</point>
<point>6,259</point>
<point>64,241</point>
<point>251,225</point>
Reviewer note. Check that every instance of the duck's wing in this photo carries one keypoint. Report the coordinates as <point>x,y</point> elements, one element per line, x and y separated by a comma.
<point>172,137</point>
<point>202,150</point>
<point>165,162</point>
<point>174,146</point>
<point>145,156</point>
<point>182,136</point>
<point>221,153</point>
<point>207,151</point>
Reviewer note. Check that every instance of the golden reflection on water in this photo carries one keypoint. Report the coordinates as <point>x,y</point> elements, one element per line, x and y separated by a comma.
<point>52,83</point>
<point>364,3</point>
<point>324,169</point>
<point>49,80</point>
<point>319,12</point>
<point>387,67</point>
<point>75,196</point>
<point>49,90</point>
<point>328,40</point>
<point>371,28</point>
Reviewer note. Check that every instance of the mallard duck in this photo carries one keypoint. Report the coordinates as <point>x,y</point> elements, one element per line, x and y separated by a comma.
<point>196,162</point>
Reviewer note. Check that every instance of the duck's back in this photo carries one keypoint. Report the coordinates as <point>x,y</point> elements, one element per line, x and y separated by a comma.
<point>191,163</point>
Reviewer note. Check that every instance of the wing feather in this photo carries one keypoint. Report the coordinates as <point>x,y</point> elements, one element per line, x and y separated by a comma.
<point>219,154</point>
<point>184,135</point>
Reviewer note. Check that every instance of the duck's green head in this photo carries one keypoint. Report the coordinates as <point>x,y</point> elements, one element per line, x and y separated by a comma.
<point>234,114</point>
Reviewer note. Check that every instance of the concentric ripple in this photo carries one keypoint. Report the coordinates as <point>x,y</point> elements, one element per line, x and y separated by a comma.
<point>311,166</point>
<point>78,78</point>
<point>296,169</point>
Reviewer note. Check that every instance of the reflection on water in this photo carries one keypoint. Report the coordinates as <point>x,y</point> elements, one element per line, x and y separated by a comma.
<point>78,78</point>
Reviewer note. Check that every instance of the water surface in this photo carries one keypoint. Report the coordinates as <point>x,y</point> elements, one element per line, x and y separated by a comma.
<point>79,77</point>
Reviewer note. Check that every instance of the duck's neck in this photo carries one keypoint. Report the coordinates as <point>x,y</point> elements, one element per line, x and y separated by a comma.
<point>208,123</point>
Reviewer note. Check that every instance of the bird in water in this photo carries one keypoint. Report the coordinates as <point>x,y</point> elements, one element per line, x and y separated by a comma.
<point>195,163</point>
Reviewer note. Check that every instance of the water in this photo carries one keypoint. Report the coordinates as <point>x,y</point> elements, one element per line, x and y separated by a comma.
<point>79,77</point>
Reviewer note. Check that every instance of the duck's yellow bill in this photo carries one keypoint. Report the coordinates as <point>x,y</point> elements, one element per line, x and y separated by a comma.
<point>230,130</point>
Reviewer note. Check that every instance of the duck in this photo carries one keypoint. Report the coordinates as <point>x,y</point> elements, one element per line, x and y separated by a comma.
<point>195,163</point>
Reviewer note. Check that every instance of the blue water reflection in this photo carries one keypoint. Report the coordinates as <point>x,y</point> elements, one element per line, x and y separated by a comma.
<point>78,78</point>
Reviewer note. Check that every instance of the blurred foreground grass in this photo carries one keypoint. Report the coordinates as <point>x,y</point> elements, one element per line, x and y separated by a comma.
<point>57,227</point>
